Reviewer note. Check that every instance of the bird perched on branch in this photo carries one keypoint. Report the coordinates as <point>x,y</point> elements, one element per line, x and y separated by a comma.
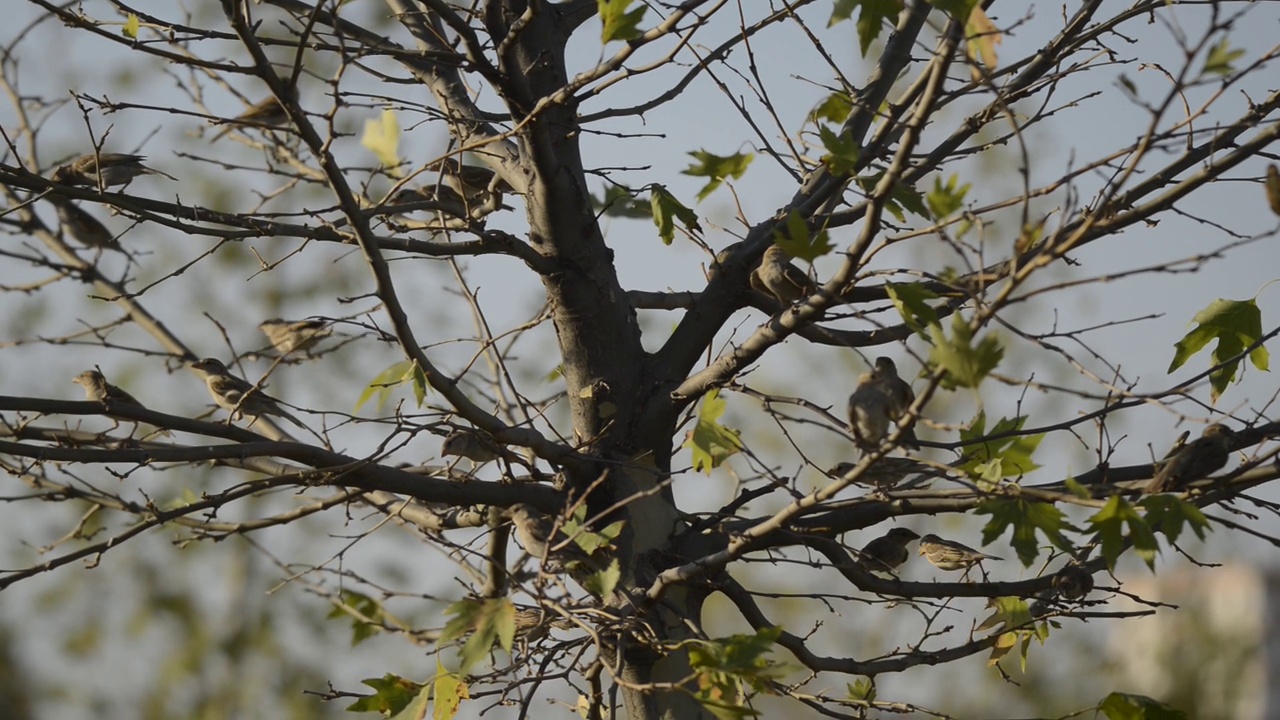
<point>886,472</point>
<point>266,114</point>
<point>478,185</point>
<point>114,169</point>
<point>1072,582</point>
<point>899,393</point>
<point>889,551</point>
<point>1201,457</point>
<point>869,412</point>
<point>85,228</point>
<point>951,555</point>
<point>97,389</point>
<point>777,277</point>
<point>237,395</point>
<point>471,445</point>
<point>290,335</point>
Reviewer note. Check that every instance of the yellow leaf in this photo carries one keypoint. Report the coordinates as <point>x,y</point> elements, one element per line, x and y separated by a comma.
<point>131,27</point>
<point>382,138</point>
<point>983,38</point>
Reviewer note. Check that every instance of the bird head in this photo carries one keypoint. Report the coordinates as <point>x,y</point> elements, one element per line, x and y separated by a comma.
<point>89,378</point>
<point>886,367</point>
<point>903,535</point>
<point>210,366</point>
<point>1217,430</point>
<point>929,539</point>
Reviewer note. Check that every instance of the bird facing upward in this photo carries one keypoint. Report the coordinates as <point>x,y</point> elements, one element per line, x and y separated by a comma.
<point>96,388</point>
<point>776,276</point>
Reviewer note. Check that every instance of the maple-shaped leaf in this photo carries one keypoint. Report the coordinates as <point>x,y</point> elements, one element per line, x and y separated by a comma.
<point>619,23</point>
<point>794,237</point>
<point>449,689</point>
<point>1111,521</point>
<point>1235,324</point>
<point>1169,514</point>
<point>711,442</point>
<point>966,363</point>
<point>666,209</point>
<point>382,138</point>
<point>392,694</point>
<point>717,168</point>
<point>1027,518</point>
<point>912,302</point>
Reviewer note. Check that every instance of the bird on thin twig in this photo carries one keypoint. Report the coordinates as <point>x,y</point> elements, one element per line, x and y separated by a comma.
<point>237,395</point>
<point>869,413</point>
<point>481,188</point>
<point>900,395</point>
<point>266,114</point>
<point>1072,582</point>
<point>951,555</point>
<point>290,335</point>
<point>1201,457</point>
<point>114,169</point>
<point>97,389</point>
<point>887,472</point>
<point>889,551</point>
<point>471,445</point>
<point>84,228</point>
<point>777,277</point>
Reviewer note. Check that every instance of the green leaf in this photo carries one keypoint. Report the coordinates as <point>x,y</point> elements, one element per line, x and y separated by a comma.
<point>966,364</point>
<point>1012,617</point>
<point>618,23</point>
<point>619,201</point>
<point>590,541</point>
<point>1025,517</point>
<point>405,371</point>
<point>900,197</point>
<point>912,302</point>
<point>392,694</point>
<point>450,690</point>
<point>417,709</point>
<point>1220,58</point>
<point>382,138</point>
<point>797,241</point>
<point>870,21</point>
<point>834,108</point>
<point>1235,324</point>
<point>711,442</point>
<point>842,153</point>
<point>666,209</point>
<point>1110,523</point>
<point>1168,514</point>
<point>997,459</point>
<point>944,200</point>
<point>725,667</point>
<point>717,168</point>
<point>365,623</point>
<point>489,621</point>
<point>602,583</point>
<point>131,27</point>
<point>862,690</point>
<point>1126,706</point>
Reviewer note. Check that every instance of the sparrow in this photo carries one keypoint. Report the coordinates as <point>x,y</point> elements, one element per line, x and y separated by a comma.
<point>899,393</point>
<point>869,412</point>
<point>885,473</point>
<point>534,531</point>
<point>471,445</point>
<point>116,169</point>
<point>1201,457</point>
<point>469,180</point>
<point>85,228</point>
<point>241,398</point>
<point>778,278</point>
<point>290,335</point>
<point>951,555</point>
<point>266,114</point>
<point>448,201</point>
<point>887,552</point>
<point>97,389</point>
<point>1072,582</point>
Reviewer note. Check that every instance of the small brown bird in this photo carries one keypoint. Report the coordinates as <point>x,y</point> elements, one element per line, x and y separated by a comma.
<point>477,184</point>
<point>266,114</point>
<point>237,395</point>
<point>1203,456</point>
<point>899,393</point>
<point>1072,582</point>
<point>951,555</point>
<point>471,445</point>
<point>116,169</point>
<point>96,388</point>
<point>777,277</point>
<point>85,228</point>
<point>290,335</point>
<point>869,412</point>
<point>886,472</point>
<point>887,552</point>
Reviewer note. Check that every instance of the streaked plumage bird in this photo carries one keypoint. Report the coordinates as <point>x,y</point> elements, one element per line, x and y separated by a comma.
<point>290,335</point>
<point>778,278</point>
<point>471,445</point>
<point>951,555</point>
<point>116,169</point>
<point>96,388</point>
<point>869,412</point>
<point>85,228</point>
<point>1072,582</point>
<point>899,393</point>
<point>266,114</point>
<point>886,472</point>
<point>237,395</point>
<point>889,551</point>
<point>1197,460</point>
<point>475,183</point>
